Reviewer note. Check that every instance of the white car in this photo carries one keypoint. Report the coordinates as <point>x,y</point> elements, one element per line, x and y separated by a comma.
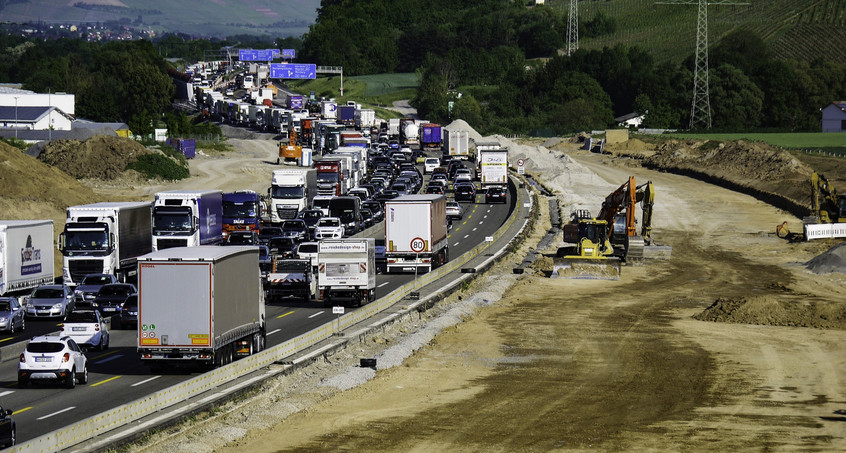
<point>453,210</point>
<point>430,164</point>
<point>87,328</point>
<point>329,228</point>
<point>307,251</point>
<point>53,358</point>
<point>462,174</point>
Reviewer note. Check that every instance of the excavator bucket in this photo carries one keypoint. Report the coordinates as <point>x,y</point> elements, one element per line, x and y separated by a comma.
<point>580,267</point>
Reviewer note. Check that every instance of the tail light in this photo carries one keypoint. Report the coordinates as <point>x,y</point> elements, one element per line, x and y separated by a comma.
<point>66,357</point>
<point>22,359</point>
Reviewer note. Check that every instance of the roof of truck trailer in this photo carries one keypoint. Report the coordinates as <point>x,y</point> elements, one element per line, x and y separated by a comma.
<point>113,204</point>
<point>420,197</point>
<point>201,253</point>
<point>13,223</point>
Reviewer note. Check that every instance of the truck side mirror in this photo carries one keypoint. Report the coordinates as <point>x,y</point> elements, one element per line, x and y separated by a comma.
<point>111,241</point>
<point>60,242</point>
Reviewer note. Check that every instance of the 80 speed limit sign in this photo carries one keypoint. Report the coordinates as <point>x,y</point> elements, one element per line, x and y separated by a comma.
<point>418,245</point>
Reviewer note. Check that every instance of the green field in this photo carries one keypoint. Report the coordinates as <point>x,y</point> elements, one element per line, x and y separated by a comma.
<point>825,142</point>
<point>793,29</point>
<point>376,91</point>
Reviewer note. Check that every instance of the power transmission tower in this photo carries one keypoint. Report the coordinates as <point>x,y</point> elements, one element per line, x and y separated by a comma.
<point>573,28</point>
<point>700,110</point>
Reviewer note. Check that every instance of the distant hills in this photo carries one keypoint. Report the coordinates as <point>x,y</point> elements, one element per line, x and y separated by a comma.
<point>201,18</point>
<point>792,29</point>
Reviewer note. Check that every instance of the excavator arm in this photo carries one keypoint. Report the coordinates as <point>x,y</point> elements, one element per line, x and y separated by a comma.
<point>646,196</point>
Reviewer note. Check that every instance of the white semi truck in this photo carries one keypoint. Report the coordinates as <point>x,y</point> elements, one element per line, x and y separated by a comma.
<point>416,233</point>
<point>104,238</point>
<point>187,218</point>
<point>218,317</point>
<point>493,167</point>
<point>288,194</point>
<point>26,255</point>
<point>346,271</point>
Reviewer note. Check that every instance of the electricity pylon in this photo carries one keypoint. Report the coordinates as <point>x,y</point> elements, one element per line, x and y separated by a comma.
<point>573,28</point>
<point>700,110</point>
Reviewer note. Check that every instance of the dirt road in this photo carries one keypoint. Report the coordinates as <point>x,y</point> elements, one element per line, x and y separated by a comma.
<point>616,365</point>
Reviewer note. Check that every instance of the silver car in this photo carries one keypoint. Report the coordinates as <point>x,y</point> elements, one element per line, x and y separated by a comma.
<point>11,315</point>
<point>50,301</point>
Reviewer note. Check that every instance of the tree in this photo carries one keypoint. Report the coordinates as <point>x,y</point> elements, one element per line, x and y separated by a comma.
<point>736,101</point>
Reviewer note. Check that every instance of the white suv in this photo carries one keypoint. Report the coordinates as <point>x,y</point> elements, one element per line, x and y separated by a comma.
<point>430,164</point>
<point>53,358</point>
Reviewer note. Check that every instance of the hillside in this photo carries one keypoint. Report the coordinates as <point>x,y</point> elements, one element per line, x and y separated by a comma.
<point>793,29</point>
<point>197,17</point>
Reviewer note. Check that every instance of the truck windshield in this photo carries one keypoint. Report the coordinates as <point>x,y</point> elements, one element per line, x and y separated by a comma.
<point>87,239</point>
<point>170,220</point>
<point>286,192</point>
<point>327,177</point>
<point>239,210</point>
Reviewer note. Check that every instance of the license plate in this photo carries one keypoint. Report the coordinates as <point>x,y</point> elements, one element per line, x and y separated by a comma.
<point>78,329</point>
<point>43,359</point>
<point>108,308</point>
<point>43,312</point>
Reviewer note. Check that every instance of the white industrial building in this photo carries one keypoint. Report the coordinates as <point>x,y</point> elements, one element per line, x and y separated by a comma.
<point>27,110</point>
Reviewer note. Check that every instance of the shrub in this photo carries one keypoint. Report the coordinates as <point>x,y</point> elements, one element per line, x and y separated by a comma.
<point>158,165</point>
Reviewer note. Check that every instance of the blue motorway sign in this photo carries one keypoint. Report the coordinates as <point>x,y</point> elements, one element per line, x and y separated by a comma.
<point>292,71</point>
<point>289,53</point>
<point>258,54</point>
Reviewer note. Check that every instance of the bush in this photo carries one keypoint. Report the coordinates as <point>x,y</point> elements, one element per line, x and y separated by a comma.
<point>158,165</point>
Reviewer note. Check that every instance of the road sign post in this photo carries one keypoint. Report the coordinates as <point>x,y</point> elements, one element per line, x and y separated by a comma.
<point>338,310</point>
<point>521,167</point>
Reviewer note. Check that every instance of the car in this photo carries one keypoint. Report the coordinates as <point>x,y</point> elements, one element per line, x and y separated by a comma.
<point>310,217</point>
<point>439,182</point>
<point>329,228</point>
<point>265,233</point>
<point>242,237</point>
<point>50,301</point>
<point>8,430</point>
<point>308,251</point>
<point>430,164</point>
<point>129,312</point>
<point>109,299</point>
<point>496,194</point>
<point>295,229</point>
<point>453,167</point>
<point>230,92</point>
<point>401,187</point>
<point>12,315</point>
<point>439,177</point>
<point>373,188</point>
<point>376,208</point>
<point>360,192</point>
<point>282,246</point>
<point>52,358</point>
<point>454,211</point>
<point>385,196</point>
<point>366,218</point>
<point>464,191</point>
<point>435,189</point>
<point>87,328</point>
<point>462,174</point>
<point>90,284</point>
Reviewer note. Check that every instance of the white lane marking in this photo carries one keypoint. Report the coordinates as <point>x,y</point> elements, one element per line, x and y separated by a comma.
<point>108,359</point>
<point>474,229</point>
<point>489,210</point>
<point>273,332</point>
<point>466,236</point>
<point>456,244</point>
<point>57,413</point>
<point>145,381</point>
<point>481,222</point>
<point>485,217</point>
<point>383,284</point>
<point>316,314</point>
<point>8,392</point>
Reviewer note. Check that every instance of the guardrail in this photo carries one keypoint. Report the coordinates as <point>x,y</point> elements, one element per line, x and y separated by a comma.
<point>114,418</point>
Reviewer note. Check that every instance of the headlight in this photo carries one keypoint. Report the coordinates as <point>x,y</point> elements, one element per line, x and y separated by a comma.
<point>77,293</point>
<point>95,304</point>
<point>3,319</point>
<point>57,306</point>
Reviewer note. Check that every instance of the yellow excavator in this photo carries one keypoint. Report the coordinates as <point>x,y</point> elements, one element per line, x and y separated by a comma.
<point>826,204</point>
<point>292,153</point>
<point>602,243</point>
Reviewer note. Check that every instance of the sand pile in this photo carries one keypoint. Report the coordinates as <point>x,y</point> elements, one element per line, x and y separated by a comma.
<point>461,125</point>
<point>769,311</point>
<point>100,157</point>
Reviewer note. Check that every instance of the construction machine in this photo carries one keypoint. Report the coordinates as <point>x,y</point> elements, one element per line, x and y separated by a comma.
<point>827,206</point>
<point>292,153</point>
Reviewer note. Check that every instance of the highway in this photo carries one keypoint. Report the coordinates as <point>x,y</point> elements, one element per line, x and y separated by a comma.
<point>117,377</point>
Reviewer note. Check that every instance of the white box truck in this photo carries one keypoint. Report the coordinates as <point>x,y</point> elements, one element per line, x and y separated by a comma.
<point>26,255</point>
<point>346,271</point>
<point>457,144</point>
<point>216,318</point>
<point>416,233</point>
<point>104,238</point>
<point>493,167</point>
<point>365,118</point>
<point>288,194</point>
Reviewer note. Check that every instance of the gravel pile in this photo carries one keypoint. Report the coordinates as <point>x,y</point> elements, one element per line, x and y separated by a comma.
<point>833,260</point>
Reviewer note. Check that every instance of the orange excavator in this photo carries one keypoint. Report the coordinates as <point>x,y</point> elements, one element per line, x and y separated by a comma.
<point>291,154</point>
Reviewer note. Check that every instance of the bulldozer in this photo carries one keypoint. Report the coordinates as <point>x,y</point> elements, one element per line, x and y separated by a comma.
<point>593,255</point>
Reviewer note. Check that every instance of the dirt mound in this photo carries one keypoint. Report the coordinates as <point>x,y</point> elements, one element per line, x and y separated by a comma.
<point>833,260</point>
<point>461,125</point>
<point>756,168</point>
<point>769,311</point>
<point>100,157</point>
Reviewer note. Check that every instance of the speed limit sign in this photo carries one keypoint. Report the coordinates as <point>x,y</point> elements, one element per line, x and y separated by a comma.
<point>418,245</point>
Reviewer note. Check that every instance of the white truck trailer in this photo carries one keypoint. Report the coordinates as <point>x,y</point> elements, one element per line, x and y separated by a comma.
<point>26,255</point>
<point>105,238</point>
<point>457,144</point>
<point>346,271</point>
<point>493,167</point>
<point>288,194</point>
<point>416,233</point>
<point>216,318</point>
